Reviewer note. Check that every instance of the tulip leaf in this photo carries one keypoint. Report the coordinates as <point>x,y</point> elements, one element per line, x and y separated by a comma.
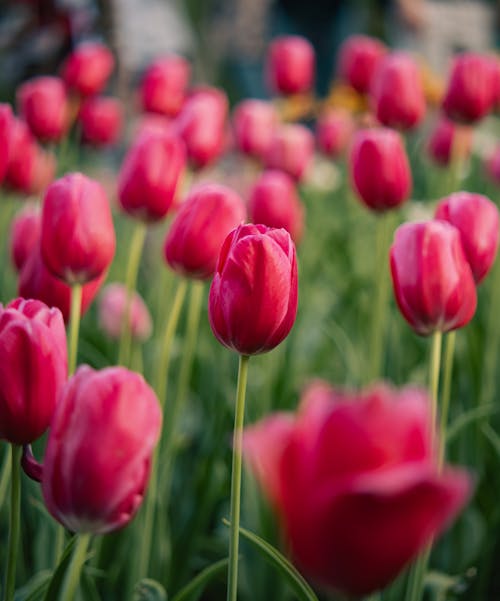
<point>469,417</point>
<point>296,581</point>
<point>149,590</point>
<point>194,588</point>
<point>492,437</point>
<point>59,573</point>
<point>35,588</point>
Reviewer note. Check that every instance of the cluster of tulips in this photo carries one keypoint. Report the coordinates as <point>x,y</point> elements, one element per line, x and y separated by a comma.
<point>358,481</point>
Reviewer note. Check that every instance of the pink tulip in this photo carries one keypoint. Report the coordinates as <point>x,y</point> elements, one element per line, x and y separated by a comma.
<point>86,71</point>
<point>254,122</point>
<point>99,449</point>
<point>492,165</point>
<point>111,310</point>
<point>24,235</point>
<point>291,150</point>
<point>359,57</point>
<point>334,131</point>
<point>442,142</point>
<point>6,126</point>
<point>101,120</point>
<point>164,85</point>
<point>290,65</point>
<point>356,483</point>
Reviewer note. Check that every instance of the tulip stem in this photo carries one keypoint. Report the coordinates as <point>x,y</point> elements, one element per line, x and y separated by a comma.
<point>449,351</point>
<point>5,474</point>
<point>15,521</point>
<point>490,355</point>
<point>72,577</point>
<point>234,517</point>
<point>134,259</point>
<point>74,326</point>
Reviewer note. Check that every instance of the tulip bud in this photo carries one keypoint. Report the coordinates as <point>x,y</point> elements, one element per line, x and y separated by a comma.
<point>150,174</point>
<point>200,227</point>
<point>252,302</point>
<point>274,202</point>
<point>476,218</point>
<point>87,69</point>
<point>334,130</point>
<point>432,279</point>
<point>78,236</point>
<point>104,430</point>
<point>492,165</point>
<point>397,93</point>
<point>254,122</point>
<point>25,236</point>
<point>359,57</point>
<point>33,368</point>
<point>101,120</point>
<point>112,308</point>
<point>291,150</point>
<point>290,65</point>
<point>442,142</point>
<point>380,171</point>
<point>163,87</point>
<point>6,126</point>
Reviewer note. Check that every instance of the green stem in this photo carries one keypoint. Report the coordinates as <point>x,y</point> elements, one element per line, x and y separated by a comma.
<point>239,415</point>
<point>490,355</point>
<point>134,259</point>
<point>60,540</point>
<point>15,522</point>
<point>5,474</point>
<point>72,577</point>
<point>449,351</point>
<point>74,326</point>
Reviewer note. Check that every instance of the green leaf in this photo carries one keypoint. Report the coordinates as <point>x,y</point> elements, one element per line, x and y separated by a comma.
<point>296,581</point>
<point>149,590</point>
<point>89,588</point>
<point>469,417</point>
<point>194,588</point>
<point>492,437</point>
<point>35,588</point>
<point>58,576</point>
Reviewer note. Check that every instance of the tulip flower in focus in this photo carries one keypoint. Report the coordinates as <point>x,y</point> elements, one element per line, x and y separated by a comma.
<point>433,282</point>
<point>477,220</point>
<point>442,142</point>
<point>86,71</point>
<point>104,430</point>
<point>291,150</point>
<point>101,120</point>
<point>253,297</point>
<point>6,125</point>
<point>111,311</point>
<point>24,235</point>
<point>150,174</point>
<point>200,227</point>
<point>379,167</point>
<point>359,57</point>
<point>33,368</point>
<point>274,202</point>
<point>254,122</point>
<point>290,65</point>
<point>78,236</point>
<point>164,84</point>
<point>397,94</point>
<point>334,130</point>
<point>355,481</point>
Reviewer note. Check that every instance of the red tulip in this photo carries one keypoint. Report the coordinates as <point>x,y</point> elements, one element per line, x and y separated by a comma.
<point>472,88</point>
<point>200,227</point>
<point>99,449</point>
<point>492,165</point>
<point>164,85</point>
<point>253,297</point>
<point>433,282</point>
<point>78,236</point>
<point>334,130</point>
<point>274,202</point>
<point>397,93</point>
<point>254,122</point>
<point>44,106</point>
<point>290,65</point>
<point>476,218</point>
<point>380,171</point>
<point>33,368</point>
<point>150,174</point>
<point>201,124</point>
<point>356,483</point>
<point>359,57</point>
<point>101,120</point>
<point>111,309</point>
<point>86,71</point>
<point>442,142</point>
<point>291,150</point>
<point>6,126</point>
<point>25,235</point>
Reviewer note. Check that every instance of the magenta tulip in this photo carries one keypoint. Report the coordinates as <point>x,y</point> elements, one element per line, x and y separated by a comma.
<point>334,131</point>
<point>290,65</point>
<point>6,126</point>
<point>86,71</point>
<point>492,165</point>
<point>254,122</point>
<point>101,120</point>
<point>291,150</point>
<point>24,235</point>
<point>442,142</point>
<point>111,313</point>
<point>164,85</point>
<point>359,57</point>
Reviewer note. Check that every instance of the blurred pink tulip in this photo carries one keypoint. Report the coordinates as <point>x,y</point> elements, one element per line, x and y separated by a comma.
<point>254,122</point>
<point>25,235</point>
<point>359,57</point>
<point>86,71</point>
<point>164,84</point>
<point>101,120</point>
<point>443,142</point>
<point>290,65</point>
<point>334,131</point>
<point>291,150</point>
<point>111,311</point>
<point>6,126</point>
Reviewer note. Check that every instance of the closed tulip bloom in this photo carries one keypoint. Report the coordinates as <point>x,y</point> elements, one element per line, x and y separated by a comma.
<point>164,85</point>
<point>356,483</point>
<point>99,449</point>
<point>359,57</point>
<point>200,227</point>
<point>44,106</point>
<point>202,125</point>
<point>432,279</point>
<point>101,120</point>
<point>274,202</point>
<point>492,165</point>
<point>86,71</point>
<point>150,174</point>
<point>334,131</point>
<point>33,368</point>
<point>291,150</point>
<point>472,88</point>
<point>441,142</point>
<point>254,122</point>
<point>111,312</point>
<point>397,93</point>
<point>290,65</point>
<point>252,302</point>
<point>24,235</point>
<point>476,218</point>
<point>380,171</point>
<point>78,236</point>
<point>6,125</point>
